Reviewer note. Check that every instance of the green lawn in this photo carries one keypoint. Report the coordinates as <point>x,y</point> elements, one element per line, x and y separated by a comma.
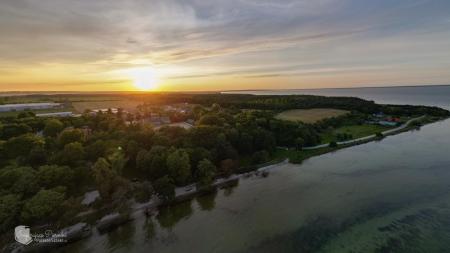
<point>357,131</point>
<point>310,115</point>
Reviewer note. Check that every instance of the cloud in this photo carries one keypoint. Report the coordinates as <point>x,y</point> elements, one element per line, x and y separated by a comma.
<point>106,35</point>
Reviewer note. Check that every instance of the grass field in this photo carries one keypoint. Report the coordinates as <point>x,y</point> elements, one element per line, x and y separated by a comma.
<point>310,115</point>
<point>357,131</point>
<point>79,102</point>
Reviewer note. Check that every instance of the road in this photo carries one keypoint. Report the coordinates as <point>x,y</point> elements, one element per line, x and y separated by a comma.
<point>387,132</point>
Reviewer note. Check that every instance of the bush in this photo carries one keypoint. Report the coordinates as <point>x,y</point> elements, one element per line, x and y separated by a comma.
<point>165,188</point>
<point>43,206</point>
<point>260,157</point>
<point>143,192</point>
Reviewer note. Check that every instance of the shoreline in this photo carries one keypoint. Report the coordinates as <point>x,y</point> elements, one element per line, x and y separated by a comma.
<point>388,132</point>
<point>190,191</point>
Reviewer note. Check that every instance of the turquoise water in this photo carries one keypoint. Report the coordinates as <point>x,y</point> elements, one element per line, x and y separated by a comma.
<point>386,196</point>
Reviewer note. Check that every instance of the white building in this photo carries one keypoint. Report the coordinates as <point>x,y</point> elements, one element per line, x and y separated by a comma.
<point>55,114</point>
<point>30,106</point>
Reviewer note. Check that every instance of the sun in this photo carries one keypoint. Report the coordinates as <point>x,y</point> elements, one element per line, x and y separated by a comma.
<point>144,78</point>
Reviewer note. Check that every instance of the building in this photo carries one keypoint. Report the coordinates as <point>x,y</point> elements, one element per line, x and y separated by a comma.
<point>29,106</point>
<point>157,120</point>
<point>106,110</point>
<point>387,123</point>
<point>55,114</point>
<point>378,115</point>
<point>90,197</point>
<point>184,125</point>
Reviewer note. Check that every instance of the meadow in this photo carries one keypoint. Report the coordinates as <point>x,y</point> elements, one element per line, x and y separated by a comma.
<point>356,131</point>
<point>310,115</point>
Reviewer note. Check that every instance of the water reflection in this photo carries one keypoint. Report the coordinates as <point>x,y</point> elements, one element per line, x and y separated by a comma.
<point>170,215</point>
<point>228,191</point>
<point>149,229</point>
<point>207,202</point>
<point>122,237</point>
<point>388,196</point>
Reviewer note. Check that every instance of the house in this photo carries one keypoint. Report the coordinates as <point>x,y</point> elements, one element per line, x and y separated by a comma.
<point>29,106</point>
<point>184,125</point>
<point>106,110</point>
<point>165,120</point>
<point>393,119</point>
<point>378,115</point>
<point>90,197</point>
<point>157,120</point>
<point>387,123</point>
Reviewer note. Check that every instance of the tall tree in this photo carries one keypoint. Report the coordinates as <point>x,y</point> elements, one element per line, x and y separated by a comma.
<point>53,127</point>
<point>72,154</point>
<point>43,206</point>
<point>179,166</point>
<point>165,188</point>
<point>22,145</point>
<point>10,205</point>
<point>118,160</point>
<point>105,178</point>
<point>205,172</point>
<point>50,176</point>
<point>69,136</point>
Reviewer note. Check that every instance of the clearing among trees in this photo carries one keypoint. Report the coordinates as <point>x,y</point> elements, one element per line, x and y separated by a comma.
<point>310,115</point>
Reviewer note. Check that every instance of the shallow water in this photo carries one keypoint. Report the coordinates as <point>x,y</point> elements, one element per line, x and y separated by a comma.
<point>386,196</point>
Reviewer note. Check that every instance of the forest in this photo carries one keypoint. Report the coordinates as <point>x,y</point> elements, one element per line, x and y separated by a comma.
<point>47,164</point>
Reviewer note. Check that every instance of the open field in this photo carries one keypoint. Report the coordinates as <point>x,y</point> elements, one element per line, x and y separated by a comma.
<point>356,131</point>
<point>310,115</point>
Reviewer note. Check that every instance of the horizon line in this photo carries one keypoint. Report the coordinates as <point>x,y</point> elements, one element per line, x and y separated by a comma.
<point>218,91</point>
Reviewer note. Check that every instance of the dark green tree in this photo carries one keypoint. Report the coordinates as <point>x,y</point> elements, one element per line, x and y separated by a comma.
<point>10,206</point>
<point>299,143</point>
<point>205,173</point>
<point>43,206</point>
<point>179,166</point>
<point>53,127</point>
<point>22,145</point>
<point>105,178</point>
<point>19,180</point>
<point>165,188</point>
<point>69,136</point>
<point>50,176</point>
<point>72,154</point>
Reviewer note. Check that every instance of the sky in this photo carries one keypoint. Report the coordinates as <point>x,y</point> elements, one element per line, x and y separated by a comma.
<point>195,45</point>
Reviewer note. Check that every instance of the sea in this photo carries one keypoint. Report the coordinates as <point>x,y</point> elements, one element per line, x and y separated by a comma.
<point>391,195</point>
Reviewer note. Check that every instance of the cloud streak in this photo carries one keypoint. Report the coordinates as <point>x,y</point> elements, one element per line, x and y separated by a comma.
<point>194,36</point>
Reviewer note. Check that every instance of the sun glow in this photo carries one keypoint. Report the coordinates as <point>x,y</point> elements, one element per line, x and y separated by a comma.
<point>144,78</point>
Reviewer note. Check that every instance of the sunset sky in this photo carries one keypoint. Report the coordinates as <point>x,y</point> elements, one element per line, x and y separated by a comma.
<point>187,45</point>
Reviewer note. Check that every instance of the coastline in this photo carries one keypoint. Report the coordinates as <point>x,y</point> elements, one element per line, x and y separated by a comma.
<point>190,191</point>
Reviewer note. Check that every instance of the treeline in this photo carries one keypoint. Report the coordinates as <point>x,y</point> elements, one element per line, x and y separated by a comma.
<point>285,102</point>
<point>414,110</point>
<point>276,102</point>
<point>47,164</point>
